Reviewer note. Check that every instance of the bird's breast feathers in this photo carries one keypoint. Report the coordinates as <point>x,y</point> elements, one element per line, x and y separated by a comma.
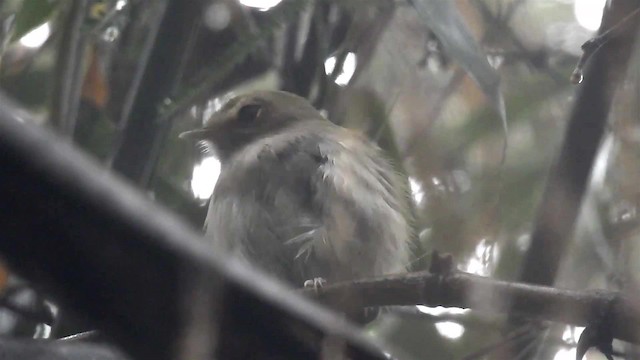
<point>331,185</point>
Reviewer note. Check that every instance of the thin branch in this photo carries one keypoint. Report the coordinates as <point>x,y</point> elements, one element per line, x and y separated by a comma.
<point>139,143</point>
<point>568,180</point>
<point>90,335</point>
<point>229,59</point>
<point>69,72</point>
<point>594,44</point>
<point>459,289</point>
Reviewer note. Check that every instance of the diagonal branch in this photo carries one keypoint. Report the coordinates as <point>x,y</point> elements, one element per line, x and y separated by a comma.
<point>569,175</point>
<point>69,72</point>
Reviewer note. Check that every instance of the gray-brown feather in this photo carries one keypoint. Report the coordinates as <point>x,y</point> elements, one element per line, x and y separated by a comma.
<point>311,201</point>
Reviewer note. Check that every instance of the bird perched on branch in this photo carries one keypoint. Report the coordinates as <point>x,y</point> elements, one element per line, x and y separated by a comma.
<point>300,197</point>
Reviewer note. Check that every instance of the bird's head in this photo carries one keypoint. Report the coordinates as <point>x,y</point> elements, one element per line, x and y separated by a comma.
<point>251,116</point>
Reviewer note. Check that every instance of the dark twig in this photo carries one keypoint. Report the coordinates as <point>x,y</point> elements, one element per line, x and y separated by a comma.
<point>140,65</point>
<point>83,336</point>
<point>465,290</point>
<point>568,179</point>
<point>141,275</point>
<point>140,140</point>
<point>594,44</point>
<point>229,59</point>
<point>68,80</point>
<point>569,175</point>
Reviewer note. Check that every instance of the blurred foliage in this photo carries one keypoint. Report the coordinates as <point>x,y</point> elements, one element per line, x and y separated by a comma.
<point>409,92</point>
<point>31,15</point>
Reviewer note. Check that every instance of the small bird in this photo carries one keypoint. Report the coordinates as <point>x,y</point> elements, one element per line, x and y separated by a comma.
<point>300,197</point>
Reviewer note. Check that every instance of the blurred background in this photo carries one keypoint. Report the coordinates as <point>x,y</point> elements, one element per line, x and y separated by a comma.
<point>470,99</point>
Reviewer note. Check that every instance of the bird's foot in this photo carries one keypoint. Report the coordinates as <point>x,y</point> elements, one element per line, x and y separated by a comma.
<point>315,283</point>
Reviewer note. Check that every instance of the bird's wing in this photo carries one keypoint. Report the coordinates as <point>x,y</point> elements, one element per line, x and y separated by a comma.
<point>349,214</point>
<point>363,207</point>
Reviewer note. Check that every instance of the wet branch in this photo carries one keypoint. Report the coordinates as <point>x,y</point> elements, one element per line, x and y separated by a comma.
<point>459,289</point>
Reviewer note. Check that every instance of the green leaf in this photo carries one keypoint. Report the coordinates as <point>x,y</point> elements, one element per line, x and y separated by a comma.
<point>32,14</point>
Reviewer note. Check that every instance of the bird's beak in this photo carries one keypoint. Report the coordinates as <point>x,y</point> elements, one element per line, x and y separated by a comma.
<point>195,135</point>
<point>211,127</point>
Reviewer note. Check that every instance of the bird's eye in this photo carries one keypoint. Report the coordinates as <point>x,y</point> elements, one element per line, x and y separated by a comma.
<point>249,113</point>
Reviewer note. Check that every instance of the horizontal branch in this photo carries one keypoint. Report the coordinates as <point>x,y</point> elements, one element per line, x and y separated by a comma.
<point>459,289</point>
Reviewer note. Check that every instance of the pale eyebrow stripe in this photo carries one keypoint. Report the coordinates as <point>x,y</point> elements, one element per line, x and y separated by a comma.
<point>230,104</point>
